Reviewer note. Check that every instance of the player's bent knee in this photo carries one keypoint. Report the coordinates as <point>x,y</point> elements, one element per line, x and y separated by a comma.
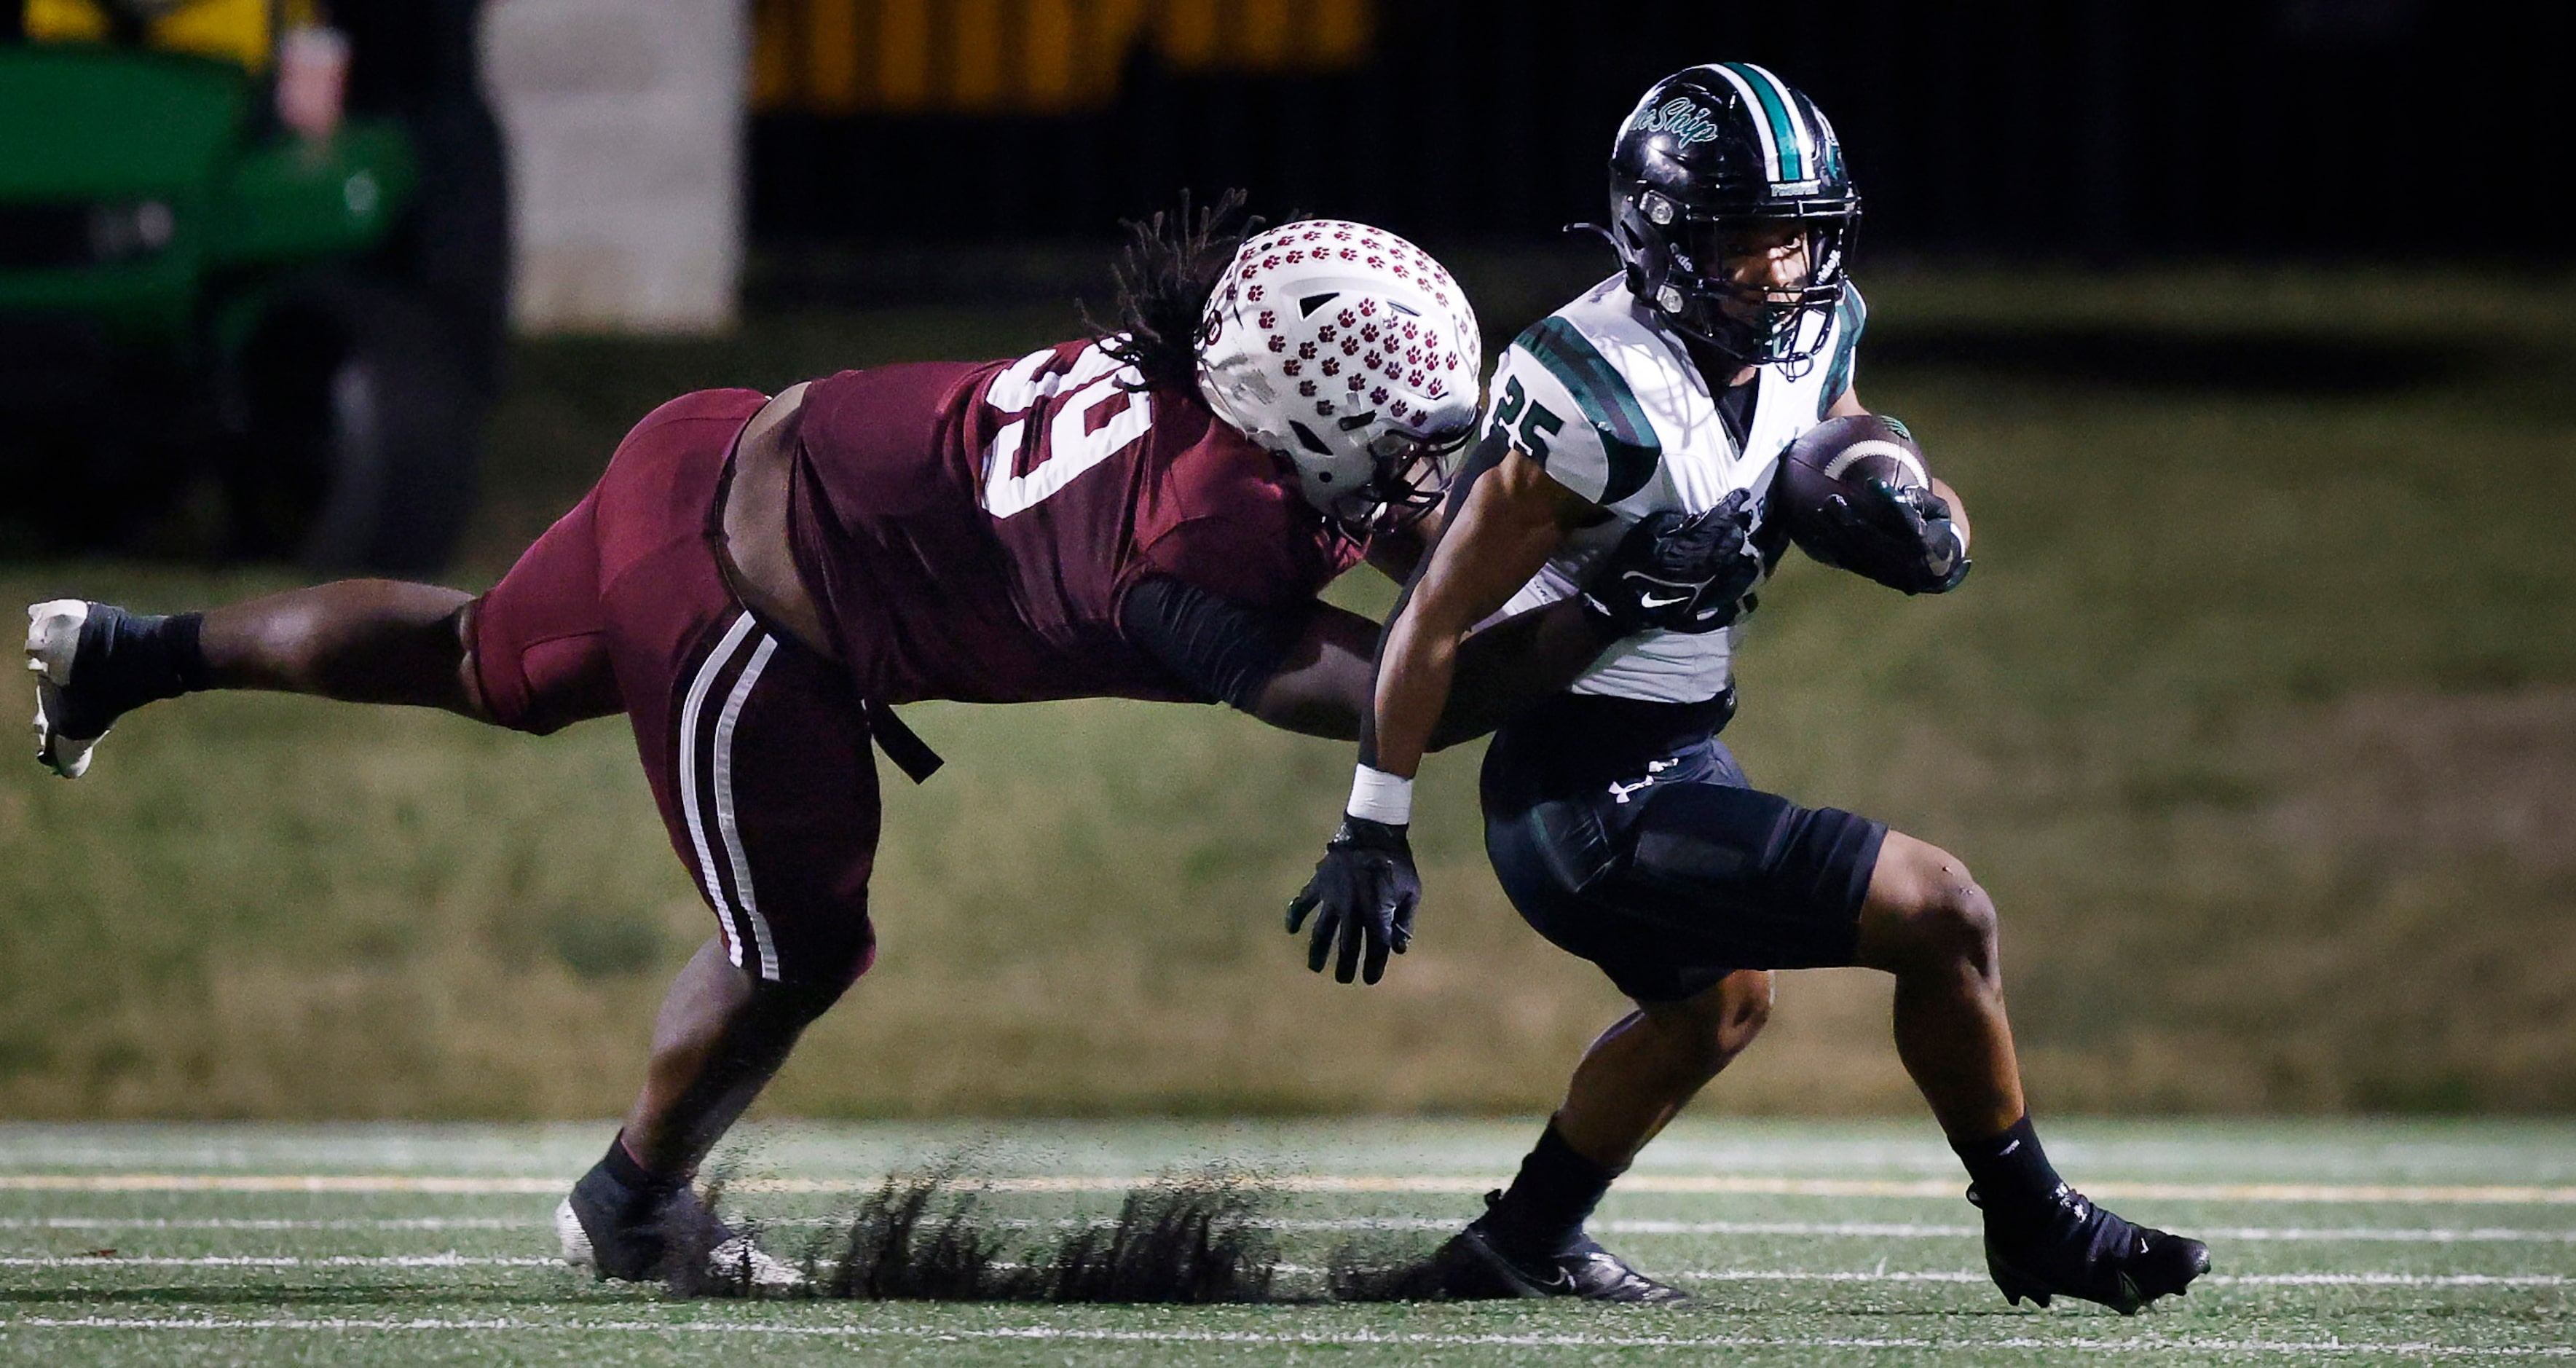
<point>1744,1011</point>
<point>1967,929</point>
<point>1923,903</point>
<point>469,678</point>
<point>814,981</point>
<point>1737,1031</point>
<point>800,1003</point>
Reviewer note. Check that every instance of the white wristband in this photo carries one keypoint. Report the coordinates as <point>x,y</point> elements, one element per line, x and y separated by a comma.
<point>1380,797</point>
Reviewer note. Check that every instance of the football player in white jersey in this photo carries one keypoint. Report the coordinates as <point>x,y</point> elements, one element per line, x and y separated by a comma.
<point>1621,828</point>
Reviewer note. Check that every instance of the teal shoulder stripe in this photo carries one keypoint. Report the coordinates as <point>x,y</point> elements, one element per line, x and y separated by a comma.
<point>1627,438</point>
<point>1775,105</point>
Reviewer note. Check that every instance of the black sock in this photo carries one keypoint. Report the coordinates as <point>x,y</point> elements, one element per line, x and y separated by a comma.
<point>1554,1193</point>
<point>630,1174</point>
<point>141,658</point>
<point>2011,1171</point>
<point>187,655</point>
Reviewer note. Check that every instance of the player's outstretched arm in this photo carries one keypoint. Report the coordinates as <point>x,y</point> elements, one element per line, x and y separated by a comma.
<point>1363,894</point>
<point>1310,669</point>
<point>1670,572</point>
<point>1322,682</point>
<point>1512,520</point>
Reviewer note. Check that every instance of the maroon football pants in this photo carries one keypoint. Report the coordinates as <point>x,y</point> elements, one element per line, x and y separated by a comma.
<point>757,748</point>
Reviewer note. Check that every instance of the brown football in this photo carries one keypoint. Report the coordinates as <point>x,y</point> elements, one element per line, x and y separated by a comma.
<point>1840,456</point>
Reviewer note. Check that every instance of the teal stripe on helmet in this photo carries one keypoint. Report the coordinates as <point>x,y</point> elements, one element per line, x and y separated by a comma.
<point>1774,98</point>
<point>1627,438</point>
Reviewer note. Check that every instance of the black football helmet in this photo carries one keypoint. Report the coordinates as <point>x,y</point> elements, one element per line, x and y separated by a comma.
<point>1710,152</point>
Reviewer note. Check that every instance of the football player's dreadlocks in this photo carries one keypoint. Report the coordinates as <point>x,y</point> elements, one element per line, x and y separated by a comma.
<point>1165,275</point>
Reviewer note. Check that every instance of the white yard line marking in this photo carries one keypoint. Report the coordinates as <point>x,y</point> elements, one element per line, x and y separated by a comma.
<point>276,1261</point>
<point>1897,1230</point>
<point>2393,1279</point>
<point>257,1223</point>
<point>1649,1184</point>
<point>1875,1230</point>
<point>1355,1338</point>
<point>2398,1235</point>
<point>428,1184</point>
<point>1739,1275</point>
<point>2209,1280</point>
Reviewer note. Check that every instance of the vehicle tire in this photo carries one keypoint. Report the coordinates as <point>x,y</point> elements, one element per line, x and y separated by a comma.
<point>360,435</point>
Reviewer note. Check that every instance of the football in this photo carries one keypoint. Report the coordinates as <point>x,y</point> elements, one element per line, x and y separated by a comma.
<point>1840,457</point>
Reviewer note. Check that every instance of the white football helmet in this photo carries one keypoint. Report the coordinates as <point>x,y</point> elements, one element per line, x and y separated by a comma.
<point>1352,354</point>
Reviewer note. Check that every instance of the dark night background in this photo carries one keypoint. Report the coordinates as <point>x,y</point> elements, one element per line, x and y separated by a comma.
<point>2102,131</point>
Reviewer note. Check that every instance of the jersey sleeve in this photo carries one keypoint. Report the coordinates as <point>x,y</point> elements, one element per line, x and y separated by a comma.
<point>1259,561</point>
<point>1225,650</point>
<point>1850,316</point>
<point>1560,401</point>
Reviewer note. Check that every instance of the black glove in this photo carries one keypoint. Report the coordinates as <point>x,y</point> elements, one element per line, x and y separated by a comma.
<point>1677,572</point>
<point>1898,535</point>
<point>1364,892</point>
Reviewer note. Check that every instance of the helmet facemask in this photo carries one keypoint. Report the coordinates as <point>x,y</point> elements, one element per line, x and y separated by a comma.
<point>1407,474</point>
<point>1749,323</point>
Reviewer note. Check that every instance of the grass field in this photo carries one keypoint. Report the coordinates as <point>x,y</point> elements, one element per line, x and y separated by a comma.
<point>2258,718</point>
<point>2344,1242</point>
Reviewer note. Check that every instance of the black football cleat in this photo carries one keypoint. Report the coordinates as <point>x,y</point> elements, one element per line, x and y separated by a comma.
<point>1477,1265</point>
<point>614,1232</point>
<point>2077,1249</point>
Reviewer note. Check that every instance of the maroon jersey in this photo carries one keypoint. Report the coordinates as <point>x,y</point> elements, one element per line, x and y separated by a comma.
<point>971,529</point>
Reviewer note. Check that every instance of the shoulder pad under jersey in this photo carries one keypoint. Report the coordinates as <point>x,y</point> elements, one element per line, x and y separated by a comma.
<point>1561,401</point>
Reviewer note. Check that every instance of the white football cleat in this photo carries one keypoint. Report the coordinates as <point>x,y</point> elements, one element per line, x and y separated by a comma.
<point>574,1239</point>
<point>53,639</point>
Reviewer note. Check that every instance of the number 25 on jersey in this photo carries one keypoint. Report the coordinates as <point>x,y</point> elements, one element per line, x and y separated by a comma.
<point>1535,422</point>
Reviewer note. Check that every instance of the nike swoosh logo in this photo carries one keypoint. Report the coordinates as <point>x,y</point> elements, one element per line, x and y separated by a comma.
<point>1650,601</point>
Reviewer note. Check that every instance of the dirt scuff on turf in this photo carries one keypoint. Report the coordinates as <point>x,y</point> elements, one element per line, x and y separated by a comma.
<point>1193,1239</point>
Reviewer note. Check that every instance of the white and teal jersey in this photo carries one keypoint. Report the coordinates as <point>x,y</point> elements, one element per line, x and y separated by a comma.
<point>1603,395</point>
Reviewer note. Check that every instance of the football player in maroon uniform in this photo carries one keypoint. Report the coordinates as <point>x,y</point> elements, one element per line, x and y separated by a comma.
<point>756,582</point>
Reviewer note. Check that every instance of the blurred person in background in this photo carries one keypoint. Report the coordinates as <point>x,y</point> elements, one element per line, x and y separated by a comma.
<point>756,581</point>
<point>1619,825</point>
<point>417,61</point>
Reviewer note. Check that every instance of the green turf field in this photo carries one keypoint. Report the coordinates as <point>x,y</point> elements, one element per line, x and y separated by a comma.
<point>2356,1242</point>
<point>2258,718</point>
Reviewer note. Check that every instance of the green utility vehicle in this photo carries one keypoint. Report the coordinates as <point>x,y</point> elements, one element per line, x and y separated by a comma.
<point>193,295</point>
